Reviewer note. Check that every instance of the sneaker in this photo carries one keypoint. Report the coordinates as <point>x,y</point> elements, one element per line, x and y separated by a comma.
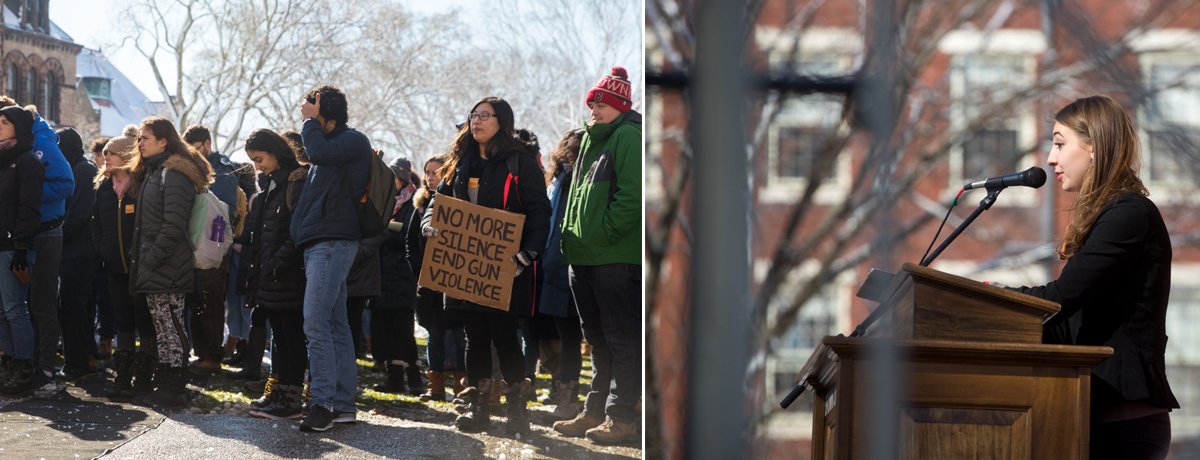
<point>347,418</point>
<point>44,385</point>
<point>318,419</point>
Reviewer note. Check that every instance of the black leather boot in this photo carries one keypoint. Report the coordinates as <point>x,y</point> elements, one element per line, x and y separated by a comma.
<point>253,356</point>
<point>477,418</point>
<point>516,408</point>
<point>122,382</point>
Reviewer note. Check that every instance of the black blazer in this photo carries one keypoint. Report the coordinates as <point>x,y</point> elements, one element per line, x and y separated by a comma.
<point>1114,292</point>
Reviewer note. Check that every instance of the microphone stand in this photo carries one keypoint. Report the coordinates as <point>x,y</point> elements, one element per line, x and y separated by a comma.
<point>984,204</point>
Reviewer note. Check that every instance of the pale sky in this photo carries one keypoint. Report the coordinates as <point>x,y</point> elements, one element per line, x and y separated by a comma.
<point>93,23</point>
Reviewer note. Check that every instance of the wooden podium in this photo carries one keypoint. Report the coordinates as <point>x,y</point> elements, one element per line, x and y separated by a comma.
<point>974,379</point>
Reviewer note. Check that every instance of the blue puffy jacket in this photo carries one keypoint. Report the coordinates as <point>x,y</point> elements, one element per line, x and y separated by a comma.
<point>60,179</point>
<point>225,182</point>
<point>328,206</point>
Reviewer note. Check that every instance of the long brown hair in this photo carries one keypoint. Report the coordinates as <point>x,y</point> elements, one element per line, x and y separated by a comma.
<point>421,197</point>
<point>162,128</point>
<point>464,143</point>
<point>1103,124</point>
<point>565,153</point>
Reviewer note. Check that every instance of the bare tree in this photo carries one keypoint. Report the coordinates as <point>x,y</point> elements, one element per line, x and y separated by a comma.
<point>548,55</point>
<point>220,62</point>
<point>242,64</point>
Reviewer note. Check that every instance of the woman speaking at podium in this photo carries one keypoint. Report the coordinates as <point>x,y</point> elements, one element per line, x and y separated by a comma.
<point>1114,287</point>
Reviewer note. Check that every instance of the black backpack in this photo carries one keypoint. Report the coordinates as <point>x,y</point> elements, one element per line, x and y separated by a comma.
<point>376,204</point>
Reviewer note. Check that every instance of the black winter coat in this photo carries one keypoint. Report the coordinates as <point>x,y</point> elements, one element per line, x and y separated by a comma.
<point>527,197</point>
<point>163,261</point>
<point>430,304</point>
<point>399,290</point>
<point>364,278</point>
<point>77,227</point>
<point>21,176</point>
<point>112,227</point>
<point>272,269</point>
<point>1113,292</point>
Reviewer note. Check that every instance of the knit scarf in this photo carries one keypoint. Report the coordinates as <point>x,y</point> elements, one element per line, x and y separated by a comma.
<point>121,182</point>
<point>403,196</point>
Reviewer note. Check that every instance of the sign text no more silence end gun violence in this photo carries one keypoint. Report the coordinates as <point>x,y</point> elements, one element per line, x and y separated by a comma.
<point>471,256</point>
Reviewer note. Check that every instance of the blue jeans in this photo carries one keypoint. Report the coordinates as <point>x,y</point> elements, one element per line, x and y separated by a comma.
<point>237,316</point>
<point>16,329</point>
<point>330,346</point>
<point>438,339</point>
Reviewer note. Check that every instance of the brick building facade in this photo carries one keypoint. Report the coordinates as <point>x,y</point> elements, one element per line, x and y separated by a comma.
<point>1039,56</point>
<point>38,62</point>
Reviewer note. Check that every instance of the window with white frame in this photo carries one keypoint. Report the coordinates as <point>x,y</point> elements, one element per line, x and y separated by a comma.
<point>800,134</point>
<point>804,125</point>
<point>1183,349</point>
<point>1170,119</point>
<point>999,136</point>
<point>825,313</point>
<point>652,184</point>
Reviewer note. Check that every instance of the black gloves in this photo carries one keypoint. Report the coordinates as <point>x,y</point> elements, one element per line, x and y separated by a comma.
<point>20,265</point>
<point>523,259</point>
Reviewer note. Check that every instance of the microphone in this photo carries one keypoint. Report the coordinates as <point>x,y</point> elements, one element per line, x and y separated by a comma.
<point>1032,177</point>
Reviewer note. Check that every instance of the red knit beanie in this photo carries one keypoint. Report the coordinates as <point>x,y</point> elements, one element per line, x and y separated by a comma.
<point>612,89</point>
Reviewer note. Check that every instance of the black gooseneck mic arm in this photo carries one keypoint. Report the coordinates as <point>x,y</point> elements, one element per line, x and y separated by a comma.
<point>984,204</point>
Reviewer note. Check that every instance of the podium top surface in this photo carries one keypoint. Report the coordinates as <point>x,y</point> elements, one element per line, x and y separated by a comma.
<point>1035,304</point>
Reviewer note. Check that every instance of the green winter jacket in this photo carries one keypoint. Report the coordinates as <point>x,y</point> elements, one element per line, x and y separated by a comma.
<point>602,222</point>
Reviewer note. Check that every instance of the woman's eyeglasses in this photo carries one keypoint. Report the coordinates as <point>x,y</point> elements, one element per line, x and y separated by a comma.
<point>482,116</point>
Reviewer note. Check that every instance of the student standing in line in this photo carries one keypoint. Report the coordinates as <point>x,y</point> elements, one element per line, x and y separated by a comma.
<point>21,176</point>
<point>477,170</point>
<point>171,174</point>
<point>273,271</point>
<point>113,218</point>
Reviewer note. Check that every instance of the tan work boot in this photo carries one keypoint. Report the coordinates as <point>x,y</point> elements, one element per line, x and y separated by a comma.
<point>456,381</point>
<point>436,389</point>
<point>614,432</point>
<point>579,425</point>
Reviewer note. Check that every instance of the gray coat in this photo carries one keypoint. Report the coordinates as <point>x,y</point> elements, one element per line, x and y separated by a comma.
<point>163,262</point>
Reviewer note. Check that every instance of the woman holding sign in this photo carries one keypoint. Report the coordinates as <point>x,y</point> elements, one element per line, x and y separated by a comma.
<point>487,165</point>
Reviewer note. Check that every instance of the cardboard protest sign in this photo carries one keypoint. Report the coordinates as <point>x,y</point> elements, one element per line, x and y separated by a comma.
<point>471,256</point>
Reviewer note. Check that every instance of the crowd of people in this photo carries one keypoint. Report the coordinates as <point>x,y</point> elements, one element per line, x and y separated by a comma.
<point>114,231</point>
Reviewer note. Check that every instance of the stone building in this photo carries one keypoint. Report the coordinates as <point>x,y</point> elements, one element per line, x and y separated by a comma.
<point>39,66</point>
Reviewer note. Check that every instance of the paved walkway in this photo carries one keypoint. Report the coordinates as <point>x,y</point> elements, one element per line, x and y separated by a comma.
<point>80,423</point>
<point>75,424</point>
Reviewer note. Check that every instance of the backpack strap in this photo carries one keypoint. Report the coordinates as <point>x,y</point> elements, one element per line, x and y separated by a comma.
<point>240,212</point>
<point>514,176</point>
